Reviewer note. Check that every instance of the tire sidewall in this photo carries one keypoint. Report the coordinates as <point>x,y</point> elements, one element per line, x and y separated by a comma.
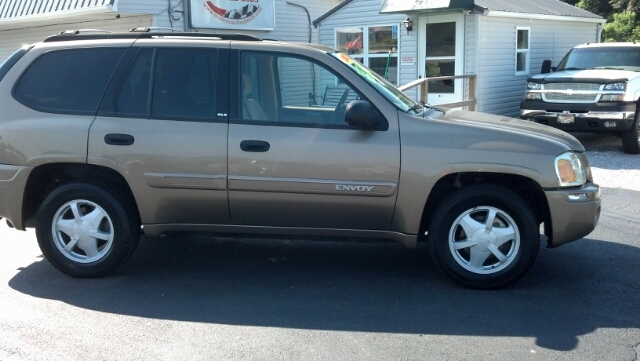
<point>504,200</point>
<point>116,212</point>
<point>630,140</point>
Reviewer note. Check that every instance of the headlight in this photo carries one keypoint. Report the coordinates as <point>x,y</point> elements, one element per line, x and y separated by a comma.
<point>570,170</point>
<point>611,97</point>
<point>616,86</point>
<point>533,96</point>
<point>534,86</point>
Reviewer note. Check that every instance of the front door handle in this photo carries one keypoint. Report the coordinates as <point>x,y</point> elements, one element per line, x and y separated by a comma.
<point>254,146</point>
<point>118,139</point>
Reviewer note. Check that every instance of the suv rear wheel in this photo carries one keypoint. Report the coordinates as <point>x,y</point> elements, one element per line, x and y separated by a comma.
<point>484,236</point>
<point>85,231</point>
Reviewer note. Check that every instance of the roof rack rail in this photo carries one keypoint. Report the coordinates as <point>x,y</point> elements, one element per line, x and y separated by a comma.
<point>139,34</point>
<point>81,31</point>
<point>152,28</point>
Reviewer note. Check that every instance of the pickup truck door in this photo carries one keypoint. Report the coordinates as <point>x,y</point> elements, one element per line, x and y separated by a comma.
<point>293,161</point>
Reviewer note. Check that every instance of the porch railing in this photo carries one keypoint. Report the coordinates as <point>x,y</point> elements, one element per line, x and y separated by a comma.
<point>423,83</point>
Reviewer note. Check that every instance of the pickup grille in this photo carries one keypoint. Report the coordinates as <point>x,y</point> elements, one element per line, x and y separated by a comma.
<point>566,92</point>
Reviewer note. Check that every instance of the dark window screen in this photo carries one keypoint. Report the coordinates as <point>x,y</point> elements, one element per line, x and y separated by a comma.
<point>68,80</point>
<point>183,85</point>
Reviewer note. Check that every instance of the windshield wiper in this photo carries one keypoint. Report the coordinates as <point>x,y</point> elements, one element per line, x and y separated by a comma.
<point>573,68</point>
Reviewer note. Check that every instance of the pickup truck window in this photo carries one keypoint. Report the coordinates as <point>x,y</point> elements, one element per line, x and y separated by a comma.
<point>622,58</point>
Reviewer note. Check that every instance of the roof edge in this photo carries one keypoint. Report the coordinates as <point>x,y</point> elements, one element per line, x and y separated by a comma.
<point>331,12</point>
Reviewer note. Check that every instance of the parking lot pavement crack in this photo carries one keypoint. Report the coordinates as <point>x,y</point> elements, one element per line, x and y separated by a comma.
<point>637,349</point>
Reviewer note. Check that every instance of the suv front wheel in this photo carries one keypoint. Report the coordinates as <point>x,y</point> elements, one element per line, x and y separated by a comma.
<point>484,236</point>
<point>85,231</point>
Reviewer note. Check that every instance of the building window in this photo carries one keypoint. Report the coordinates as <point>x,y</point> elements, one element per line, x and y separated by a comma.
<point>374,46</point>
<point>522,51</point>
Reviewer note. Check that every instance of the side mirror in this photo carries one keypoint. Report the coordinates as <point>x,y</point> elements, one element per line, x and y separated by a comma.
<point>360,113</point>
<point>546,67</point>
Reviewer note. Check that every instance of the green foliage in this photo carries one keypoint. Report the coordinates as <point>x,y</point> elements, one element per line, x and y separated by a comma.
<point>600,7</point>
<point>623,27</point>
<point>623,17</point>
<point>628,5</point>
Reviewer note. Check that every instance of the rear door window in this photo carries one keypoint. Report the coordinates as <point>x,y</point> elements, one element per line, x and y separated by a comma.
<point>68,81</point>
<point>184,83</point>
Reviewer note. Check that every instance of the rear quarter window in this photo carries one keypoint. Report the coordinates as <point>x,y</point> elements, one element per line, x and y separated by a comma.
<point>68,81</point>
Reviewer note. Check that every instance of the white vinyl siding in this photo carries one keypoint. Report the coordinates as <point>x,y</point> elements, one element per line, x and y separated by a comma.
<point>158,8</point>
<point>11,40</point>
<point>362,13</point>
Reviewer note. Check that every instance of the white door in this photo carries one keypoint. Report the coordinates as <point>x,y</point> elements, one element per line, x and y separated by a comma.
<point>441,49</point>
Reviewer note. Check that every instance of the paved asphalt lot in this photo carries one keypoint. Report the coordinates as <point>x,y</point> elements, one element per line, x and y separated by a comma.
<point>193,297</point>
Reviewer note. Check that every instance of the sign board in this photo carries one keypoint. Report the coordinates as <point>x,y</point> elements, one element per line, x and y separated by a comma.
<point>408,60</point>
<point>233,14</point>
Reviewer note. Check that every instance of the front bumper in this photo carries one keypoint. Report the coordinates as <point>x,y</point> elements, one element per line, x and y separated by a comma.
<point>588,117</point>
<point>574,213</point>
<point>13,180</point>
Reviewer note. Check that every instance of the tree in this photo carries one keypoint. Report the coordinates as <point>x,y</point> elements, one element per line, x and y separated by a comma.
<point>600,7</point>
<point>623,27</point>
<point>623,17</point>
<point>628,5</point>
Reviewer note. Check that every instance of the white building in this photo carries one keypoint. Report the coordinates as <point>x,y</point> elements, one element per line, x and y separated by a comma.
<point>502,42</point>
<point>28,21</point>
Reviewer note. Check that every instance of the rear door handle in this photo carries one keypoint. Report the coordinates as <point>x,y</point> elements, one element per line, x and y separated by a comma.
<point>254,146</point>
<point>118,139</point>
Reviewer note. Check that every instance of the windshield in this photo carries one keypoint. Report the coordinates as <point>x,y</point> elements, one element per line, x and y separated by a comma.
<point>388,90</point>
<point>622,58</point>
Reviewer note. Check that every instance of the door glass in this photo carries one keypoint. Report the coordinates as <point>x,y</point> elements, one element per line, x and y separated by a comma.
<point>441,68</point>
<point>441,39</point>
<point>441,56</point>
<point>284,90</point>
<point>183,83</point>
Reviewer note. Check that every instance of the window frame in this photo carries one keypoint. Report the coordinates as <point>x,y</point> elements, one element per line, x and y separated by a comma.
<point>236,116</point>
<point>526,51</point>
<point>108,107</point>
<point>365,56</point>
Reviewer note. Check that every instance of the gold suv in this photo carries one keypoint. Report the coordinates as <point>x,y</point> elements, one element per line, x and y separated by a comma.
<point>107,136</point>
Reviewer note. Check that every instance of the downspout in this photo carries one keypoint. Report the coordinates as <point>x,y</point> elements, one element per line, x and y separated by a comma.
<point>186,16</point>
<point>599,32</point>
<point>308,17</point>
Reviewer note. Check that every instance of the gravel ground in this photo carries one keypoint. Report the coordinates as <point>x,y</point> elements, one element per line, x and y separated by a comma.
<point>612,168</point>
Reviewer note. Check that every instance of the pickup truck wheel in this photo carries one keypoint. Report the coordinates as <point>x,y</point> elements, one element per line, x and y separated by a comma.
<point>631,138</point>
<point>85,231</point>
<point>484,236</point>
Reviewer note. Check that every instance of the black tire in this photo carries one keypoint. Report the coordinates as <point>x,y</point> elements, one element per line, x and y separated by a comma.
<point>479,266</point>
<point>93,241</point>
<point>631,138</point>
